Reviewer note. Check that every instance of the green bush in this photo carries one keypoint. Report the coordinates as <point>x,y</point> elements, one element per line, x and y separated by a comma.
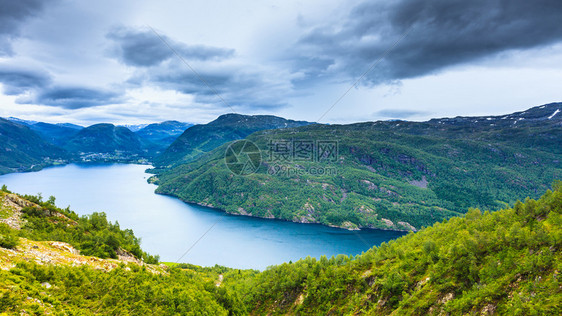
<point>8,237</point>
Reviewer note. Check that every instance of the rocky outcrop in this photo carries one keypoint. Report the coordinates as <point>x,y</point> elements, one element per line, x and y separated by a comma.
<point>60,253</point>
<point>407,226</point>
<point>420,183</point>
<point>12,205</point>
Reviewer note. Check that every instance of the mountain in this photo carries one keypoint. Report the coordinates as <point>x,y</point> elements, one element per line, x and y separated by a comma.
<point>105,140</point>
<point>389,175</point>
<point>161,135</point>
<point>506,262</point>
<point>134,127</point>
<point>56,134</point>
<point>203,138</point>
<point>70,125</point>
<point>20,121</point>
<point>24,150</point>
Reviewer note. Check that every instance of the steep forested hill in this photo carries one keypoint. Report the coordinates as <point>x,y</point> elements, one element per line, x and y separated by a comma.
<point>56,134</point>
<point>105,138</point>
<point>391,175</point>
<point>21,149</point>
<point>203,138</point>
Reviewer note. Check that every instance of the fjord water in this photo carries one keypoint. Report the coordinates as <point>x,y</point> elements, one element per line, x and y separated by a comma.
<point>168,227</point>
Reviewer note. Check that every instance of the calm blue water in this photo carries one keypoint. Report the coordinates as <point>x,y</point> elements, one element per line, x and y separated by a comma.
<point>169,227</point>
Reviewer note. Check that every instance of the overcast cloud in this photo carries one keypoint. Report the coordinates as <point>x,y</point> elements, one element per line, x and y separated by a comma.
<point>437,34</point>
<point>12,15</point>
<point>92,62</point>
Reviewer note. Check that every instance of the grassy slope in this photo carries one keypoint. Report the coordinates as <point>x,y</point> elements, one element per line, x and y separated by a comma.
<point>466,163</point>
<point>43,273</point>
<point>507,262</point>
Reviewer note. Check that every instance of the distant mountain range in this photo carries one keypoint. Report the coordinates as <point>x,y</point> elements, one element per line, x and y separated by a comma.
<point>158,136</point>
<point>31,145</point>
<point>158,142</point>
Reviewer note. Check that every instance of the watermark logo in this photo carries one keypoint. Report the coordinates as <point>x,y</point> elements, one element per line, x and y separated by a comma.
<point>284,157</point>
<point>243,157</point>
<point>302,150</point>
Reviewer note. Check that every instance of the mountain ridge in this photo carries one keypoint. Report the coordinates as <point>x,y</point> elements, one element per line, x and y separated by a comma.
<point>202,138</point>
<point>388,175</point>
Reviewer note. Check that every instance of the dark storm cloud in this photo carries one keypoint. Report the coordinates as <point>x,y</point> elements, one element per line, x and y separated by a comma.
<point>237,85</point>
<point>13,13</point>
<point>216,71</point>
<point>442,34</point>
<point>77,97</point>
<point>17,80</point>
<point>40,89</point>
<point>144,48</point>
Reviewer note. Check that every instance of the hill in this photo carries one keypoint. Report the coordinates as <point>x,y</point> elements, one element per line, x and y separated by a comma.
<point>56,134</point>
<point>390,175</point>
<point>506,262</point>
<point>105,141</point>
<point>199,139</point>
<point>24,150</point>
<point>160,136</point>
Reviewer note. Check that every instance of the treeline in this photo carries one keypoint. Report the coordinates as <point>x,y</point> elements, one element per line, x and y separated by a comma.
<point>92,234</point>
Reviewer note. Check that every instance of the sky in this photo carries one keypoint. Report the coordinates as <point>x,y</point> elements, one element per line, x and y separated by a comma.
<point>327,61</point>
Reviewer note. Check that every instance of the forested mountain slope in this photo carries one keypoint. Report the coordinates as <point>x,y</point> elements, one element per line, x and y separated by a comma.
<point>56,134</point>
<point>203,138</point>
<point>390,175</point>
<point>105,138</point>
<point>21,149</point>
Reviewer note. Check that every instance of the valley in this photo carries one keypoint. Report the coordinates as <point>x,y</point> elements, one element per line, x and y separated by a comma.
<point>392,175</point>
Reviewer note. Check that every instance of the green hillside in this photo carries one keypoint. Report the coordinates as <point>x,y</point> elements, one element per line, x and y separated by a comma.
<point>105,139</point>
<point>506,262</point>
<point>203,138</point>
<point>390,175</point>
<point>21,149</point>
<point>56,134</point>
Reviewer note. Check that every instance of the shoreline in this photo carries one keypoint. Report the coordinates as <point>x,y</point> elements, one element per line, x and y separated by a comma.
<point>359,228</point>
